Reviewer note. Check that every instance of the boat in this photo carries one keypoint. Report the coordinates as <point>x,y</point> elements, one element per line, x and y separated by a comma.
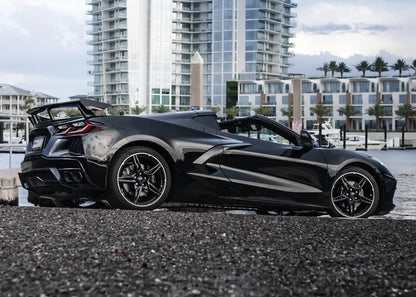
<point>330,136</point>
<point>357,142</point>
<point>352,142</point>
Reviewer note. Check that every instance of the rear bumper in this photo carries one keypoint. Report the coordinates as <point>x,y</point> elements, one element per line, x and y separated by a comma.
<point>53,177</point>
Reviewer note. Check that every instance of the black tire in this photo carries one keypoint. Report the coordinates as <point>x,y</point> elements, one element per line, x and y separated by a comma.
<point>354,194</point>
<point>139,178</point>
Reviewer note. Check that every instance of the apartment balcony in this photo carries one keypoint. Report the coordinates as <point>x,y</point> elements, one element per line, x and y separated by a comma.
<point>118,4</point>
<point>94,62</point>
<point>94,83</point>
<point>289,3</point>
<point>288,54</point>
<point>292,24</point>
<point>115,27</point>
<point>288,34</point>
<point>94,11</point>
<point>94,52</point>
<point>95,20</point>
<point>90,2</point>
<point>120,15</point>
<point>288,44</point>
<point>115,48</point>
<point>94,41</point>
<point>116,59</point>
<point>94,31</point>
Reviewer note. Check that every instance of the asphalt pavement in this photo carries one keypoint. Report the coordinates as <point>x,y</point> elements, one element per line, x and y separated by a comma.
<point>104,252</point>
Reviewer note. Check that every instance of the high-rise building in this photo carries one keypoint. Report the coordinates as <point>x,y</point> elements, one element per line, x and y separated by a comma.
<point>142,50</point>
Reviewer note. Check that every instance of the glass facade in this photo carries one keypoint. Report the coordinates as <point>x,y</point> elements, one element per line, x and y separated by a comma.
<point>141,48</point>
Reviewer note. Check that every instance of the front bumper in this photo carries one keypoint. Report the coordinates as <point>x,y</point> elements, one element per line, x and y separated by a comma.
<point>389,187</point>
<point>65,175</point>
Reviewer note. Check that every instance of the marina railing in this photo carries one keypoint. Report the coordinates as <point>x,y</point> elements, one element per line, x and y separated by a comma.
<point>10,125</point>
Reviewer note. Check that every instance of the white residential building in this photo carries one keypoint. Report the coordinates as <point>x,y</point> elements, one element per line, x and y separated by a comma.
<point>12,98</point>
<point>362,93</point>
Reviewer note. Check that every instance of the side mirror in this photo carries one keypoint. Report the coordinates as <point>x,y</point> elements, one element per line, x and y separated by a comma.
<point>306,139</point>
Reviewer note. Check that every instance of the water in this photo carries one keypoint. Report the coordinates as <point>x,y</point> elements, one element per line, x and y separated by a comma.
<point>402,163</point>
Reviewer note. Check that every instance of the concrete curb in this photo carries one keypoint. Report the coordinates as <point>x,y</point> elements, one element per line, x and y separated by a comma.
<point>9,186</point>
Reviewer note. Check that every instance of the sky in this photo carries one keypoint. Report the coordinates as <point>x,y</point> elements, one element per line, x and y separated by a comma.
<point>43,43</point>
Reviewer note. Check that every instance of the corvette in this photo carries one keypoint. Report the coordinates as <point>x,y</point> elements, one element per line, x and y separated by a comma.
<point>76,153</point>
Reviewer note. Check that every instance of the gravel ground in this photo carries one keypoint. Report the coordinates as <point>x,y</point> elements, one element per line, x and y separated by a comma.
<point>97,252</point>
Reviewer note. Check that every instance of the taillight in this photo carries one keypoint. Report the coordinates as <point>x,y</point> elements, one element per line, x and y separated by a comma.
<point>77,128</point>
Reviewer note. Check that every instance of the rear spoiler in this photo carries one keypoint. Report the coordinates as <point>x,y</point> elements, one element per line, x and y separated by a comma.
<point>85,106</point>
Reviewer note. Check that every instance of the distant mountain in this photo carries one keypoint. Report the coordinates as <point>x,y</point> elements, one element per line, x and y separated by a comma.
<point>307,64</point>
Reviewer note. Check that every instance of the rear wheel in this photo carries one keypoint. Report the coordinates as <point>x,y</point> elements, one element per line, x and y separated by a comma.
<point>354,193</point>
<point>139,178</point>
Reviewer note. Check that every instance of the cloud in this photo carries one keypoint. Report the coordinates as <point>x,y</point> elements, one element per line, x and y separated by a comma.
<point>326,29</point>
<point>346,28</point>
<point>331,28</point>
<point>308,64</point>
<point>44,41</point>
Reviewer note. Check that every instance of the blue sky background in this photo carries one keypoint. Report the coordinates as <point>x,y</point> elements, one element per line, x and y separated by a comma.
<point>43,43</point>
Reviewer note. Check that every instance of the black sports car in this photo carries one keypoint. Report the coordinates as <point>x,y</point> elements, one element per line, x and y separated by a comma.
<point>75,154</point>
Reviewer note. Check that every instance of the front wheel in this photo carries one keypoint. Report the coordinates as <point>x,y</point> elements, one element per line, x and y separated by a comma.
<point>354,193</point>
<point>139,178</point>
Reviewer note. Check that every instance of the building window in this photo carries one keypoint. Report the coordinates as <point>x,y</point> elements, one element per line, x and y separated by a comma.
<point>387,99</point>
<point>275,88</point>
<point>372,99</point>
<point>243,100</point>
<point>327,99</point>
<point>313,99</point>
<point>342,99</point>
<point>306,87</point>
<point>403,98</point>
<point>357,99</point>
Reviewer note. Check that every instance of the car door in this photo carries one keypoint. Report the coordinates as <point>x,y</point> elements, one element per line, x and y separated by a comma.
<point>273,169</point>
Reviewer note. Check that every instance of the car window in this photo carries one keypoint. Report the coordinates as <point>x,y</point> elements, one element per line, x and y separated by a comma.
<point>257,131</point>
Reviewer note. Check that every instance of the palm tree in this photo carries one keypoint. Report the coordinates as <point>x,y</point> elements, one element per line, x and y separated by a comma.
<point>324,68</point>
<point>29,103</point>
<point>400,66</point>
<point>162,109</point>
<point>342,67</point>
<point>232,111</point>
<point>214,109</point>
<point>289,113</point>
<point>406,111</point>
<point>262,110</point>
<point>138,109</point>
<point>413,66</point>
<point>333,67</point>
<point>378,111</point>
<point>348,111</point>
<point>379,66</point>
<point>363,66</point>
<point>320,110</point>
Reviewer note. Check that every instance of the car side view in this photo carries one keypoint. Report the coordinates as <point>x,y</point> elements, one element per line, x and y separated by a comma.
<point>76,153</point>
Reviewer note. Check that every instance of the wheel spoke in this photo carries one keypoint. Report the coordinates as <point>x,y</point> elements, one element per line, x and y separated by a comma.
<point>137,193</point>
<point>360,184</point>
<point>154,169</point>
<point>126,179</point>
<point>340,198</point>
<point>345,183</point>
<point>137,163</point>
<point>352,208</point>
<point>153,188</point>
<point>365,199</point>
